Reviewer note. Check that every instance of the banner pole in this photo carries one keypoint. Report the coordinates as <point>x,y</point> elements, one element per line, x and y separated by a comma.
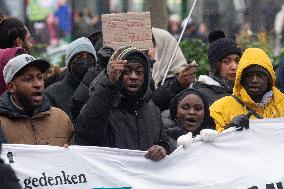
<point>180,37</point>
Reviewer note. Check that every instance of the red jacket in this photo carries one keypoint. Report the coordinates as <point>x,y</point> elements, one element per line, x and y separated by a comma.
<point>5,56</point>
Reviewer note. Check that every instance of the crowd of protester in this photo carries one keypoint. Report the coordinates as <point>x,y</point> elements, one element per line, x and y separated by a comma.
<point>114,98</point>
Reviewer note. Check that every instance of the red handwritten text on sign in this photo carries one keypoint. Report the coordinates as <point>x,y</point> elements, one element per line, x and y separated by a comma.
<point>123,24</point>
<point>123,29</point>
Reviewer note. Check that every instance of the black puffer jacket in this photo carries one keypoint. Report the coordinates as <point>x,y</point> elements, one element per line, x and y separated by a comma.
<point>8,179</point>
<point>212,90</point>
<point>213,93</point>
<point>59,93</point>
<point>109,119</point>
<point>163,95</point>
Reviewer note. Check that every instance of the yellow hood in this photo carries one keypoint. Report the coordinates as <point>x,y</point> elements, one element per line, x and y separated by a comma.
<point>251,56</point>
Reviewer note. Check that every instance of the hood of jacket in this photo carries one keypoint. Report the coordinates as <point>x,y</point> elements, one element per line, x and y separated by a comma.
<point>165,46</point>
<point>252,56</point>
<point>70,80</point>
<point>8,109</point>
<point>123,54</point>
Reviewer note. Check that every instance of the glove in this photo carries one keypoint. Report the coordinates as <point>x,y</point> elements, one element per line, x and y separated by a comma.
<point>185,140</point>
<point>208,135</point>
<point>241,121</point>
<point>104,55</point>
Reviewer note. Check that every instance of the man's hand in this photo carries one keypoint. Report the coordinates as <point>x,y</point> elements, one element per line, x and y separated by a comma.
<point>104,55</point>
<point>156,152</point>
<point>115,69</point>
<point>187,75</point>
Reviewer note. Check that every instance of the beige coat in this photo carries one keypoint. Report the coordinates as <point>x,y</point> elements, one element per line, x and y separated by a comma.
<point>52,127</point>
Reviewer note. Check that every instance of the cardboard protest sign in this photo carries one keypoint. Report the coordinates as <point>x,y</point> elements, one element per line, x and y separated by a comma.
<point>127,29</point>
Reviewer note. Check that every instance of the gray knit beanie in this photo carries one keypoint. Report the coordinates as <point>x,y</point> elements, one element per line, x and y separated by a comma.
<point>81,44</point>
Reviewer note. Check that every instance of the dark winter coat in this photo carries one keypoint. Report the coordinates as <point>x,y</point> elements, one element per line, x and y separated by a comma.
<point>172,128</point>
<point>165,93</point>
<point>109,119</point>
<point>280,76</point>
<point>59,93</point>
<point>8,179</point>
<point>81,95</point>
<point>211,88</point>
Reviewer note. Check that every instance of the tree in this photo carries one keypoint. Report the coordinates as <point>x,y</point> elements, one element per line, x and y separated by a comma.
<point>159,13</point>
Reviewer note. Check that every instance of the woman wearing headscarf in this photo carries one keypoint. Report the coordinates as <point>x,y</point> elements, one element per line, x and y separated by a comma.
<point>189,112</point>
<point>164,45</point>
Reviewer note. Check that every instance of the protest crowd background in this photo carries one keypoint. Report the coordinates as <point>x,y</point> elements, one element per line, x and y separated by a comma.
<point>134,74</point>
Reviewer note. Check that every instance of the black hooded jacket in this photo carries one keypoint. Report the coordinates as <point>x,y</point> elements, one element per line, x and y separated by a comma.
<point>110,119</point>
<point>59,93</point>
<point>81,95</point>
<point>165,93</point>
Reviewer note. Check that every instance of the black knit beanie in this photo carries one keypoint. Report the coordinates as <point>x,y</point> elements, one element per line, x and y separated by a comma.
<point>220,47</point>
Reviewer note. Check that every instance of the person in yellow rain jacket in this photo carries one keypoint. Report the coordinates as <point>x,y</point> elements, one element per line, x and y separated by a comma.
<point>254,94</point>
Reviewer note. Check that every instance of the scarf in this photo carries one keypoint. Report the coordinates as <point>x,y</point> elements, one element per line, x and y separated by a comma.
<point>223,82</point>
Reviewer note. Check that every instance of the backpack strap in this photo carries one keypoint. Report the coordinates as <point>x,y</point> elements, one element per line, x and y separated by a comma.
<point>248,108</point>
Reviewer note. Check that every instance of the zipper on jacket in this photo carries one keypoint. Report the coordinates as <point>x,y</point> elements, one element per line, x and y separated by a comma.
<point>34,131</point>
<point>138,128</point>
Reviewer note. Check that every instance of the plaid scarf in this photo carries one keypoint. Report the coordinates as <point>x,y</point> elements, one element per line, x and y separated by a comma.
<point>223,82</point>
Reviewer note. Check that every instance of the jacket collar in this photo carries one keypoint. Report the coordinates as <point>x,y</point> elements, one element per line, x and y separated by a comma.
<point>10,110</point>
<point>208,80</point>
<point>70,80</point>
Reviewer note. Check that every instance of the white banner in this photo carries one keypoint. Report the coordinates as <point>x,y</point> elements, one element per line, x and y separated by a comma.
<point>251,159</point>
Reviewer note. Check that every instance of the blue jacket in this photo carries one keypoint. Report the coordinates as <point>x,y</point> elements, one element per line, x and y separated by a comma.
<point>280,75</point>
